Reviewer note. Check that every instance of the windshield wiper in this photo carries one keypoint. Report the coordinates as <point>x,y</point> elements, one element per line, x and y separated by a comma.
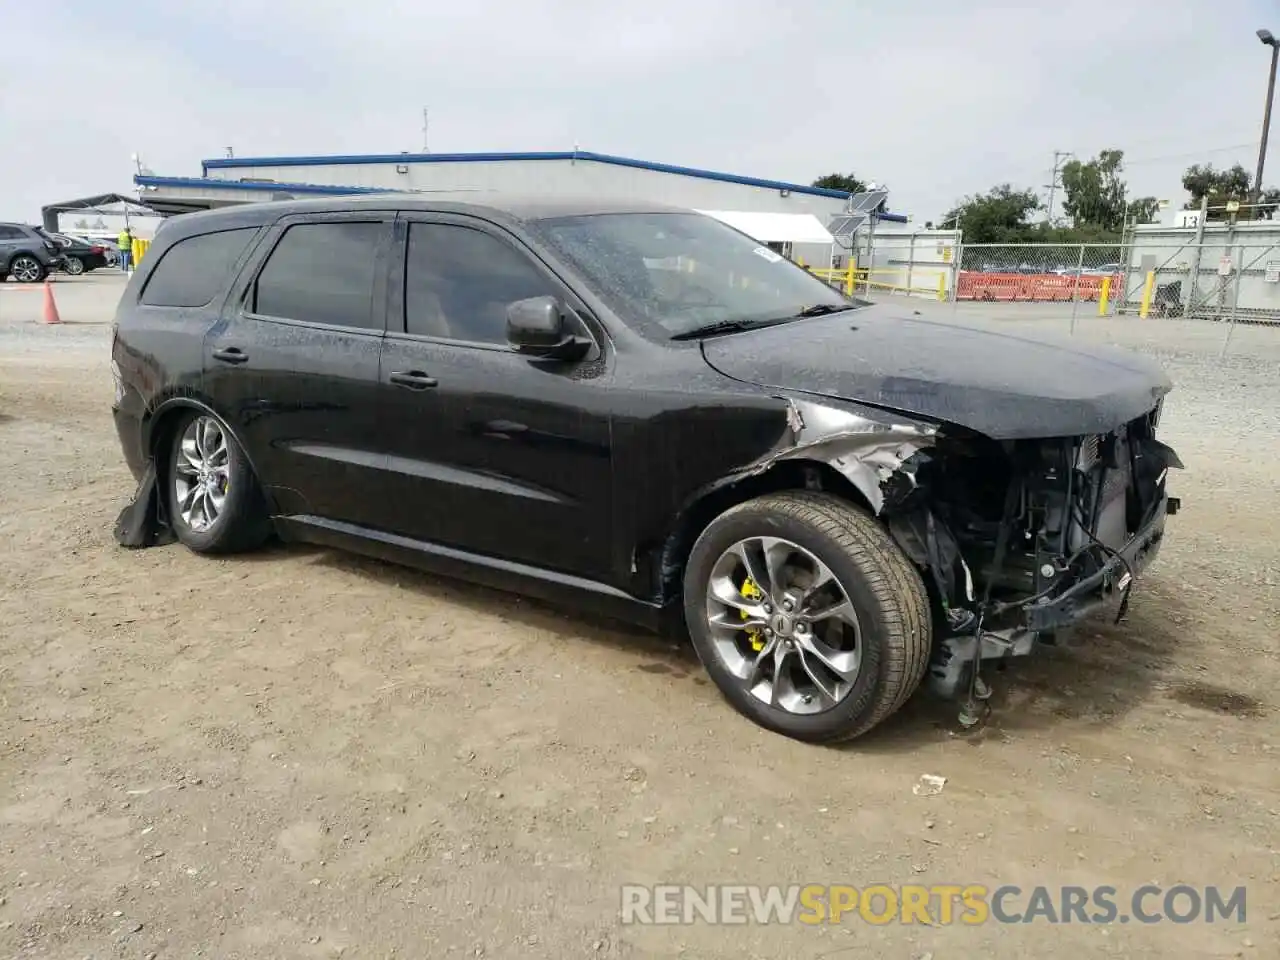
<point>724,326</point>
<point>821,309</point>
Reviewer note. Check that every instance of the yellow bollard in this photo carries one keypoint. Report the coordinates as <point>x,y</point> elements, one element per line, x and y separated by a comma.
<point>848,280</point>
<point>1103,296</point>
<point>1147,289</point>
<point>942,287</point>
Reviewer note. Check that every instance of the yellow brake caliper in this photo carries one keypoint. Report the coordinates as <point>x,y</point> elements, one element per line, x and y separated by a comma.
<point>754,634</point>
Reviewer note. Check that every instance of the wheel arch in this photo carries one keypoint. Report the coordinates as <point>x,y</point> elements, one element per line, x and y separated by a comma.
<point>159,427</point>
<point>697,515</point>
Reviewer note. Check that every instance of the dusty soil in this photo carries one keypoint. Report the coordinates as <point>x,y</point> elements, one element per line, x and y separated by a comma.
<point>303,754</point>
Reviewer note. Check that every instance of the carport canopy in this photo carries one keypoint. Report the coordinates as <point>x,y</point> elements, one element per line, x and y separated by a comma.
<point>115,204</point>
<point>775,227</point>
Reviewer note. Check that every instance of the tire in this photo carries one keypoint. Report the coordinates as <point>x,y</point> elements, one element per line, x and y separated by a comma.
<point>893,631</point>
<point>27,269</point>
<point>74,266</point>
<point>239,522</point>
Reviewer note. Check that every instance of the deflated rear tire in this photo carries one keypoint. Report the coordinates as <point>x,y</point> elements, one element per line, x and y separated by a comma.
<point>807,615</point>
<point>214,502</point>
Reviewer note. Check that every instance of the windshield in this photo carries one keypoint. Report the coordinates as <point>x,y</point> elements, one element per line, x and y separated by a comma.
<point>673,273</point>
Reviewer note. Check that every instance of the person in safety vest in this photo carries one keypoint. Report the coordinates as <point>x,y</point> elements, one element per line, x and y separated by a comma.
<point>125,240</point>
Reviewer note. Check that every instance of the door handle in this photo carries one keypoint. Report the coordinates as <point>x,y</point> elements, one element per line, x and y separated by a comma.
<point>230,355</point>
<point>413,380</point>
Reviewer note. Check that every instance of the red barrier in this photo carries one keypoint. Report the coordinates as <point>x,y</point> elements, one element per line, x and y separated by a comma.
<point>1034,287</point>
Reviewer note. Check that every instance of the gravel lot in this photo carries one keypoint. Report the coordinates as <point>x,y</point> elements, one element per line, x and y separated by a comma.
<point>304,754</point>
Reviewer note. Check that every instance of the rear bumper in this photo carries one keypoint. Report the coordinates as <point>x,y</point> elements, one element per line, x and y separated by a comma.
<point>1107,586</point>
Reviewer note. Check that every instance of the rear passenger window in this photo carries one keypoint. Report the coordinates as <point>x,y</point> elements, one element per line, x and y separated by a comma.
<point>322,273</point>
<point>11,233</point>
<point>459,281</point>
<point>192,271</point>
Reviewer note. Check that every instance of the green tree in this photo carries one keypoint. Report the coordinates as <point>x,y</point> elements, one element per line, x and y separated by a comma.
<point>1143,210</point>
<point>1095,192</point>
<point>1223,186</point>
<point>848,182</point>
<point>1001,215</point>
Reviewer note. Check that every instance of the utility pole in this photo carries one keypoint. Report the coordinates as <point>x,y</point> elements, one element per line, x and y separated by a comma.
<point>1266,37</point>
<point>1055,181</point>
<point>426,148</point>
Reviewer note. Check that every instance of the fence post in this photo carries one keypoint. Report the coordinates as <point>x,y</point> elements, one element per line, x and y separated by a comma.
<point>911,262</point>
<point>1075,293</point>
<point>957,259</point>
<point>1193,281</point>
<point>1103,296</point>
<point>1235,305</point>
<point>1145,307</point>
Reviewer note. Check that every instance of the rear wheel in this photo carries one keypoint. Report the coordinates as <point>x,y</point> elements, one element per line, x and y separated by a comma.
<point>74,266</point>
<point>807,615</point>
<point>26,269</point>
<point>215,505</point>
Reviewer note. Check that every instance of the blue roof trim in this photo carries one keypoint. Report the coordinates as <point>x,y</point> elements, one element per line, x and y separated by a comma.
<point>338,191</point>
<point>205,183</point>
<point>341,160</point>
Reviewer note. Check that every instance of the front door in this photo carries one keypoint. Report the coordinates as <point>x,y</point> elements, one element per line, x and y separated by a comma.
<point>490,451</point>
<point>293,364</point>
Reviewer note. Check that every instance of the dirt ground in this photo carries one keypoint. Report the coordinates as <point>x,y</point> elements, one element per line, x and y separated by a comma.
<point>303,754</point>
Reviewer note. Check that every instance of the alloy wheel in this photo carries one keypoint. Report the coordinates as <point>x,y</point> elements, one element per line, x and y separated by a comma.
<point>783,624</point>
<point>202,473</point>
<point>74,266</point>
<point>25,269</point>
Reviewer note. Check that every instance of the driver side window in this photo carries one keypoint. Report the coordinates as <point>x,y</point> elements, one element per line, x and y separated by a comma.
<point>459,281</point>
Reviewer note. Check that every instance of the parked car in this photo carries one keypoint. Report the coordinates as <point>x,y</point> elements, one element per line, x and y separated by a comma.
<point>78,256</point>
<point>25,254</point>
<point>110,252</point>
<point>834,498</point>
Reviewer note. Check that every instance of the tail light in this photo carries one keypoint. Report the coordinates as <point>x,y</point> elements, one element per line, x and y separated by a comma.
<point>97,249</point>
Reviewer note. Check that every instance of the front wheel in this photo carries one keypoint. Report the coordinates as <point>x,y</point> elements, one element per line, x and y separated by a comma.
<point>215,505</point>
<point>807,615</point>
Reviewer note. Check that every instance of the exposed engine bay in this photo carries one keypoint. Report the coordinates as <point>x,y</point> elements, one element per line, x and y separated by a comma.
<point>1022,538</point>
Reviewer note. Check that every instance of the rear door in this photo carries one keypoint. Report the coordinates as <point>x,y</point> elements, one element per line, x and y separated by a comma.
<point>293,363</point>
<point>491,451</point>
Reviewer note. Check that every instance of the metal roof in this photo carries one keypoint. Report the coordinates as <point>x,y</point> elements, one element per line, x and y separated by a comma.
<point>226,163</point>
<point>206,183</point>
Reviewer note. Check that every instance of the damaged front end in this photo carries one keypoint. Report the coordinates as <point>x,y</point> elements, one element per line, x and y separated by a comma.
<point>1017,539</point>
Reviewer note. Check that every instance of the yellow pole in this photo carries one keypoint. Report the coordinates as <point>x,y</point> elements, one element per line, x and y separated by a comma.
<point>848,279</point>
<point>1103,296</point>
<point>1147,289</point>
<point>942,287</point>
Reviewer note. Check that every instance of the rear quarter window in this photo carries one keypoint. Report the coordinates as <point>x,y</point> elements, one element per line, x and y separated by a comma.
<point>192,271</point>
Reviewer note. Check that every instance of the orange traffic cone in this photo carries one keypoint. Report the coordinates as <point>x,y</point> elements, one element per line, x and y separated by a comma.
<point>50,308</point>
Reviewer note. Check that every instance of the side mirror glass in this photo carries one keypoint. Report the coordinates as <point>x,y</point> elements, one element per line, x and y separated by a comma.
<point>537,326</point>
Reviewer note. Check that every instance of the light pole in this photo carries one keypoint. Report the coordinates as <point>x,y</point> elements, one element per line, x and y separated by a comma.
<point>1266,37</point>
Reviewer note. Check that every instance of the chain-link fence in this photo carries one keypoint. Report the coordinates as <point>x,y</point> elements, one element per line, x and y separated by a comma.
<point>1217,281</point>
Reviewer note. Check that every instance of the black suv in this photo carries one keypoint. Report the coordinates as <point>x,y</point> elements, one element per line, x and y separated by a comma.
<point>641,410</point>
<point>25,254</point>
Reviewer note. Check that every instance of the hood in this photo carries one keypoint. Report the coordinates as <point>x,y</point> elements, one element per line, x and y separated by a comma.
<point>1006,384</point>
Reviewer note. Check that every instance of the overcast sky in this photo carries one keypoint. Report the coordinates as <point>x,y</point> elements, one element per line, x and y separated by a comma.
<point>934,99</point>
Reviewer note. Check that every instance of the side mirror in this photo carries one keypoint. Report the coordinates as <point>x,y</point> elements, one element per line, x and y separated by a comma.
<point>536,326</point>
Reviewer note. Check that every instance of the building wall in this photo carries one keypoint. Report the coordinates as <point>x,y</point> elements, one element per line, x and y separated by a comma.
<point>1251,288</point>
<point>552,178</point>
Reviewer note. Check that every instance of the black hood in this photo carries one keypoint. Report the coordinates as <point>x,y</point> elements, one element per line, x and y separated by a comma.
<point>1005,384</point>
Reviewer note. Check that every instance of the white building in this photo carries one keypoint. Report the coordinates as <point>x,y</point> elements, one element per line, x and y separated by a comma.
<point>785,212</point>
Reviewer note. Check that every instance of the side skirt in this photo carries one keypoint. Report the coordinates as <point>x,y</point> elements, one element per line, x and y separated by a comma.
<point>557,588</point>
